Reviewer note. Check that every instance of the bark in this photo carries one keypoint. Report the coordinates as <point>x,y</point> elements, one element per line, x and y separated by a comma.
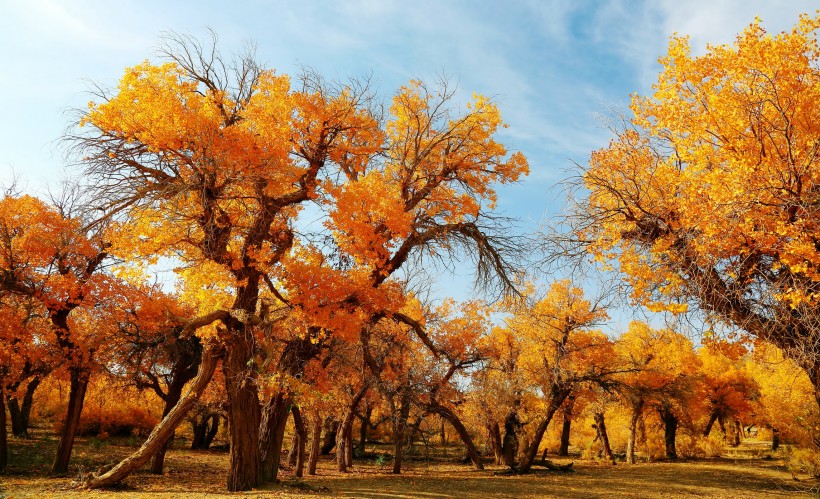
<point>28,400</point>
<point>316,443</point>
<point>300,429</point>
<point>245,471</point>
<point>213,429</point>
<point>4,446</point>
<point>563,449</point>
<point>670,427</point>
<point>349,447</point>
<point>363,428</point>
<point>512,425</point>
<point>495,441</point>
<point>637,407</point>
<point>162,431</point>
<point>737,434</point>
<point>274,420</point>
<point>454,420</point>
<point>76,397</point>
<point>331,427</point>
<point>712,418</point>
<point>345,435</point>
<point>158,463</point>
<point>18,429</point>
<point>399,430</point>
<point>532,450</point>
<point>603,436</point>
<point>775,439</point>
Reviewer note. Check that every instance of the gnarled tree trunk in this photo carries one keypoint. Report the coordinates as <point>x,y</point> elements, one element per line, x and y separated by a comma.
<point>532,450</point>
<point>345,435</point>
<point>454,420</point>
<point>274,420</point>
<point>315,443</point>
<point>162,431</point>
<point>563,449</point>
<point>637,408</point>
<point>670,426</point>
<point>601,434</point>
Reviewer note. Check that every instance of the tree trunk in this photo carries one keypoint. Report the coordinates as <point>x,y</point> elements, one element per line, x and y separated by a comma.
<point>670,426</point>
<point>775,439</point>
<point>4,444</point>
<point>363,429</point>
<point>18,429</point>
<point>294,449</point>
<point>399,430</point>
<point>331,427</point>
<point>563,449</point>
<point>495,441</point>
<point>600,428</point>
<point>301,430</point>
<point>158,463</point>
<point>712,418</point>
<point>213,429</point>
<point>532,449</point>
<point>28,400</point>
<point>512,425</point>
<point>274,420</point>
<point>637,407</point>
<point>162,431</point>
<point>345,435</point>
<point>737,433</point>
<point>199,427</point>
<point>76,397</point>
<point>454,420</point>
<point>316,443</point>
<point>244,416</point>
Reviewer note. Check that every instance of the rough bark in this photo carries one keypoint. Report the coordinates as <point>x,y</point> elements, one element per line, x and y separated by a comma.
<point>637,408</point>
<point>670,427</point>
<point>316,443</point>
<point>400,429</point>
<point>79,377</point>
<point>563,449</point>
<point>300,430</point>
<point>455,421</point>
<point>245,471</point>
<point>162,431</point>
<point>495,441</point>
<point>18,428</point>
<point>512,425</point>
<point>274,421</point>
<point>345,435</point>
<point>158,462</point>
<point>532,449</point>
<point>603,436</point>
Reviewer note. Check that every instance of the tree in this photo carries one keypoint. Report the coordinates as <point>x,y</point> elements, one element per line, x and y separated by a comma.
<point>708,195</point>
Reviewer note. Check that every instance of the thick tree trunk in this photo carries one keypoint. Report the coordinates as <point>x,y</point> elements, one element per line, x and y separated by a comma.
<point>4,445</point>
<point>495,441</point>
<point>158,463</point>
<point>18,428</point>
<point>213,429</point>
<point>400,429</point>
<point>670,426</point>
<point>76,397</point>
<point>315,443</point>
<point>331,428</point>
<point>274,421</point>
<point>512,425</point>
<point>563,449</point>
<point>345,435</point>
<point>637,408</point>
<point>245,471</point>
<point>712,418</point>
<point>603,436</point>
<point>162,431</point>
<point>454,420</point>
<point>532,449</point>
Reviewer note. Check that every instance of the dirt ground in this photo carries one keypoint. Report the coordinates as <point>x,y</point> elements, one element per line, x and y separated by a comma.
<point>202,474</point>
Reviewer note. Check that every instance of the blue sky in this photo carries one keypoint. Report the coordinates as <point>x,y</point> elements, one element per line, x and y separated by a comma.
<point>554,66</point>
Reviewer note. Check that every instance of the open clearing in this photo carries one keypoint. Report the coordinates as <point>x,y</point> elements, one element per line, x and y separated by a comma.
<point>202,474</point>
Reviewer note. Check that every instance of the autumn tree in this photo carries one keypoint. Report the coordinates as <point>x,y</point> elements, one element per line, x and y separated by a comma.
<point>707,196</point>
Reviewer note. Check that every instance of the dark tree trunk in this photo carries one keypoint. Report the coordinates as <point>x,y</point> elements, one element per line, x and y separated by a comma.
<point>18,428</point>
<point>331,428</point>
<point>213,429</point>
<point>76,397</point>
<point>670,427</point>
<point>509,449</point>
<point>344,438</point>
<point>162,431</point>
<point>737,434</point>
<point>28,400</point>
<point>301,431</point>
<point>532,450</point>
<point>454,420</point>
<point>294,449</point>
<point>4,445</point>
<point>775,439</point>
<point>495,441</point>
<point>637,408</point>
<point>603,436</point>
<point>274,420</point>
<point>563,449</point>
<point>199,428</point>
<point>158,463</point>
<point>368,413</point>
<point>245,471</point>
<point>712,418</point>
<point>400,429</point>
<point>315,443</point>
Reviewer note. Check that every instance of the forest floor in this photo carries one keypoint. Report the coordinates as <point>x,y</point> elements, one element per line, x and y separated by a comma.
<point>202,473</point>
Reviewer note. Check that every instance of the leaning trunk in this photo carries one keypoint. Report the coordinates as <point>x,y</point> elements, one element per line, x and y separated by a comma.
<point>454,420</point>
<point>637,407</point>
<point>532,449</point>
<point>162,431</point>
<point>245,470</point>
<point>18,429</point>
<point>301,431</point>
<point>76,397</point>
<point>274,420</point>
<point>712,418</point>
<point>345,435</point>
<point>213,429</point>
<point>563,449</point>
<point>28,400</point>
<point>158,463</point>
<point>603,436</point>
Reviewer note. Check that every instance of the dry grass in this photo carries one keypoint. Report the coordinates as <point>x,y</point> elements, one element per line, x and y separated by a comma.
<point>202,474</point>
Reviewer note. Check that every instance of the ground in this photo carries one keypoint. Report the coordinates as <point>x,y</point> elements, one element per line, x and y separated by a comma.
<point>202,474</point>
